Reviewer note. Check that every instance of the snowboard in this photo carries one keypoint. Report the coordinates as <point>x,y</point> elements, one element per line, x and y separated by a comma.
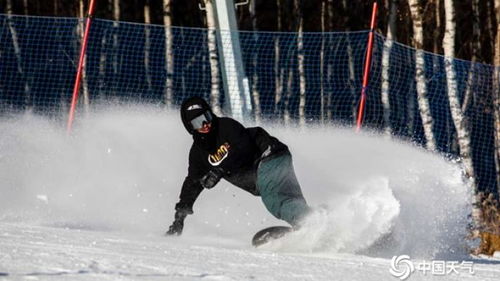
<point>269,234</point>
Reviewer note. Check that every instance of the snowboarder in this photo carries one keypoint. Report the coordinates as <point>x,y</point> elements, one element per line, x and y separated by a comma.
<point>247,157</point>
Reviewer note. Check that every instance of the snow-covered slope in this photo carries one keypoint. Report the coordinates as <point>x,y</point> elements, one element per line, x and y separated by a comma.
<point>95,205</point>
<point>41,253</point>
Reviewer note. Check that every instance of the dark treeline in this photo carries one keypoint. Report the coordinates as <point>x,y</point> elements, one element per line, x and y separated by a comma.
<point>451,106</point>
<point>348,15</point>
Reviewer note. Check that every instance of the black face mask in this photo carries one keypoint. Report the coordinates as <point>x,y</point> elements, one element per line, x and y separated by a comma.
<point>208,141</point>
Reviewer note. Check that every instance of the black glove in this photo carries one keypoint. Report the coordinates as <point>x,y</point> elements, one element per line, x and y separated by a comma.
<point>212,178</point>
<point>178,224</point>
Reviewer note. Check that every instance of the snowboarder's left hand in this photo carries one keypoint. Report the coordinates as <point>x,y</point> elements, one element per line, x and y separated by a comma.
<point>212,178</point>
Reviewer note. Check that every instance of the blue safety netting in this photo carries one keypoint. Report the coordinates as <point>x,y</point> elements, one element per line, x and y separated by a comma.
<point>127,63</point>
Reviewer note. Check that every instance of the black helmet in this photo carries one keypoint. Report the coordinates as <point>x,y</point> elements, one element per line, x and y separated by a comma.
<point>195,111</point>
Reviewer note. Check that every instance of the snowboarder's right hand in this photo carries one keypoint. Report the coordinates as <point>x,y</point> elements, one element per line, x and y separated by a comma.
<point>178,224</point>
<point>175,228</point>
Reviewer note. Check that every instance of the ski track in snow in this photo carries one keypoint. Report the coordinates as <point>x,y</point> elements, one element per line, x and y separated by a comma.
<point>94,205</point>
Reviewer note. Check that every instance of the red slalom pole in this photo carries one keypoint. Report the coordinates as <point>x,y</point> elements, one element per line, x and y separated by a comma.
<point>78,79</point>
<point>366,75</point>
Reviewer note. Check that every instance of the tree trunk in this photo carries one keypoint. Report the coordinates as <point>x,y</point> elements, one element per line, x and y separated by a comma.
<point>169,54</point>
<point>456,111</point>
<point>423,101</point>
<point>476,32</point>
<point>476,48</point>
<point>27,101</point>
<point>493,10</point>
<point>214,63</point>
<point>301,62</point>
<point>459,121</point>
<point>85,85</point>
<point>322,63</point>
<point>286,114</point>
<point>147,46</point>
<point>25,6</point>
<point>329,68</point>
<point>325,68</point>
<point>255,58</point>
<point>386,54</point>
<point>437,33</point>
<point>352,72</point>
<point>103,62</point>
<point>411,109</point>
<point>279,72</point>
<point>496,93</point>
<point>115,8</point>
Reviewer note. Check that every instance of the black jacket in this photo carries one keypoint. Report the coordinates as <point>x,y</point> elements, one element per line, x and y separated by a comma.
<point>237,151</point>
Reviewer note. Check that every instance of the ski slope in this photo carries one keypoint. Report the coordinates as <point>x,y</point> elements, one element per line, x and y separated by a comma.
<point>94,205</point>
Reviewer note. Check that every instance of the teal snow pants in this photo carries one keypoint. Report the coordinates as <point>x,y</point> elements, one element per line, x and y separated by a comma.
<point>279,189</point>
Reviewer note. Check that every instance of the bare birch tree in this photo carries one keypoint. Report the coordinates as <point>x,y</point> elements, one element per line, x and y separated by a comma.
<point>329,68</point>
<point>103,59</point>
<point>325,68</point>
<point>301,62</point>
<point>322,62</point>
<point>85,85</point>
<point>423,101</point>
<point>115,4</point>
<point>115,8</point>
<point>437,44</point>
<point>147,44</point>
<point>476,48</point>
<point>255,57</point>
<point>496,92</point>
<point>287,118</point>
<point>213,58</point>
<point>28,106</point>
<point>279,72</point>
<point>286,114</point>
<point>493,8</point>
<point>56,7</point>
<point>386,54</point>
<point>352,72</point>
<point>169,55</point>
<point>457,115</point>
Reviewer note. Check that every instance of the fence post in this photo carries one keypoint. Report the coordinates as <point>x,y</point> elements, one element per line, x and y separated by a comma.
<point>78,79</point>
<point>367,67</point>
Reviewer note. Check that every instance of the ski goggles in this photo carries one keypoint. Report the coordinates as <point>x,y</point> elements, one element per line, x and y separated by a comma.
<point>201,120</point>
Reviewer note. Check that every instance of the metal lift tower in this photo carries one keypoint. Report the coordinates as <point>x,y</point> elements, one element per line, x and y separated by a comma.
<point>236,85</point>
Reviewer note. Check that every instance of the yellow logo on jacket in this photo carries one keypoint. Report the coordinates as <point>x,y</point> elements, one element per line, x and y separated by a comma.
<point>219,156</point>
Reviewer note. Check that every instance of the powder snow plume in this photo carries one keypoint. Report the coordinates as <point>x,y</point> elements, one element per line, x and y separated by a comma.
<point>121,170</point>
<point>378,196</point>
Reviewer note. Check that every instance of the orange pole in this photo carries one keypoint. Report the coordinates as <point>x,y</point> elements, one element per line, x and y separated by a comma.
<point>78,79</point>
<point>366,75</point>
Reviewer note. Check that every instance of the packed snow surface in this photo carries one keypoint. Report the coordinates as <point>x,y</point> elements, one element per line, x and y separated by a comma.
<point>95,204</point>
